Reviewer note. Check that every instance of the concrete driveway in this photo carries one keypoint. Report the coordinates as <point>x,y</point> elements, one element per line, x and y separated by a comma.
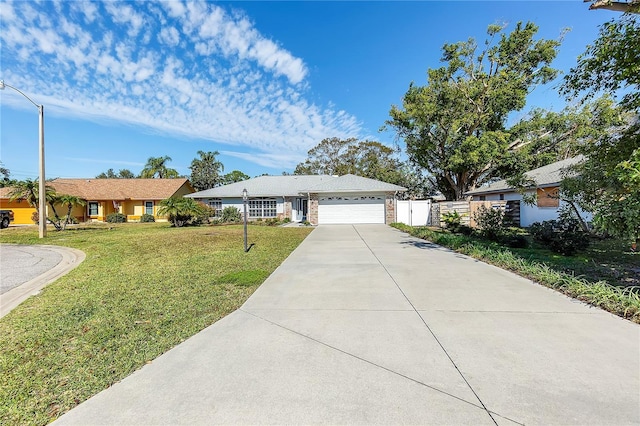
<point>364,324</point>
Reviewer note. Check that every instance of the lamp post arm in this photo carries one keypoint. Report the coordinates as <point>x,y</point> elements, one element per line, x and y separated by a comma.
<point>42,207</point>
<point>3,85</point>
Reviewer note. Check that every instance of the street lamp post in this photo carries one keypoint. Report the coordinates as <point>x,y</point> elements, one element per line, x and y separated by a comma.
<point>42,214</point>
<point>244,203</point>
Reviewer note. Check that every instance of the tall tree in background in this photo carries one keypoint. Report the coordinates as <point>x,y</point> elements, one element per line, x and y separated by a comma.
<point>455,126</point>
<point>606,181</point>
<point>334,156</point>
<point>205,171</point>
<point>233,177</point>
<point>370,159</point>
<point>157,167</point>
<point>122,174</point>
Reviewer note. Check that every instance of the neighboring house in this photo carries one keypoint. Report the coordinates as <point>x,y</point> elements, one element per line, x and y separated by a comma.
<point>318,199</point>
<point>547,204</point>
<point>131,197</point>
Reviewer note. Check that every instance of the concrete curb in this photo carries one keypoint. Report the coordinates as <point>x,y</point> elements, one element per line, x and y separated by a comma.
<point>70,259</point>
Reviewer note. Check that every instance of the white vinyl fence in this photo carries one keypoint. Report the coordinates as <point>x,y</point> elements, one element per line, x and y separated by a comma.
<point>413,212</point>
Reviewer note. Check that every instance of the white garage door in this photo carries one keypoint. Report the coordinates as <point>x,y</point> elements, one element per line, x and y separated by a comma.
<point>336,209</point>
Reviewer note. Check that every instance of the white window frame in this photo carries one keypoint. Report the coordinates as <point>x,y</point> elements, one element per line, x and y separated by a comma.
<point>89,204</point>
<point>152,206</point>
<point>215,203</point>
<point>263,207</point>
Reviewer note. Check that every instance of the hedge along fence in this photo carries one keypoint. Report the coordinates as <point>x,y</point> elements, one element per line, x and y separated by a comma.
<point>468,210</point>
<point>624,302</point>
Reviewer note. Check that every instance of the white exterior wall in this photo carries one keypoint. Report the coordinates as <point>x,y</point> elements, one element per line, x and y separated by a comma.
<point>532,213</point>
<point>238,203</point>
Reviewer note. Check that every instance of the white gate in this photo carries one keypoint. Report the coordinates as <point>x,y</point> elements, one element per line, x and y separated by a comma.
<point>413,212</point>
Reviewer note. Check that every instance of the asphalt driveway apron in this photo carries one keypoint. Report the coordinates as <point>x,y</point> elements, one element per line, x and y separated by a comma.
<point>364,324</point>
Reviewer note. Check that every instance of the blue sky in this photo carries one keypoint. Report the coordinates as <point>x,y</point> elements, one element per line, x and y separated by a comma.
<point>260,82</point>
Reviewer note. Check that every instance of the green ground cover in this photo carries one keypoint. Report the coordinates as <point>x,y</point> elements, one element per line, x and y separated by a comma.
<point>142,289</point>
<point>605,275</point>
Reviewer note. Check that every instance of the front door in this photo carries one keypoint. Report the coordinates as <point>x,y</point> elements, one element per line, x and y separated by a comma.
<point>300,212</point>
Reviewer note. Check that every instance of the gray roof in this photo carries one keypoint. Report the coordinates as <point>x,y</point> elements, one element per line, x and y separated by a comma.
<point>293,185</point>
<point>353,183</point>
<point>549,175</point>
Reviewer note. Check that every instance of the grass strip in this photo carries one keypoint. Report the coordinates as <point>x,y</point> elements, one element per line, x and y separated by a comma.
<point>142,289</point>
<point>624,302</point>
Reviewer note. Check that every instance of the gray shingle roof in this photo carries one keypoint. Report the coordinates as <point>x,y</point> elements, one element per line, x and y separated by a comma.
<point>265,186</point>
<point>353,183</point>
<point>549,175</point>
<point>293,185</point>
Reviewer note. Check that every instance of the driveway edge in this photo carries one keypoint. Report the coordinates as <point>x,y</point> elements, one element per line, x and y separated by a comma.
<point>70,259</point>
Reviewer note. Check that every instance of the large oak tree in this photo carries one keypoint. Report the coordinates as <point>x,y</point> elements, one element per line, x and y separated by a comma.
<point>454,127</point>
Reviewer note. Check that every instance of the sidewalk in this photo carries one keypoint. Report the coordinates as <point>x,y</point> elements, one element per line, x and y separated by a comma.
<point>366,325</point>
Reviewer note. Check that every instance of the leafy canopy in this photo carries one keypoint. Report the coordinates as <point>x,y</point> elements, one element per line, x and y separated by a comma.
<point>205,171</point>
<point>122,174</point>
<point>233,177</point>
<point>607,183</point>
<point>454,127</point>
<point>370,159</point>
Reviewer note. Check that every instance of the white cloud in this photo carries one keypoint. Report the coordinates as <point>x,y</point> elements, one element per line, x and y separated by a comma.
<point>169,36</point>
<point>122,13</point>
<point>273,161</point>
<point>205,74</point>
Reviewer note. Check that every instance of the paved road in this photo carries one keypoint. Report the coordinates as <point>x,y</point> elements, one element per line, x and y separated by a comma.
<point>26,269</point>
<point>363,324</point>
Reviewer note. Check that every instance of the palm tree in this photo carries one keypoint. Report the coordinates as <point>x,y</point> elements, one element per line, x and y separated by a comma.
<point>69,201</point>
<point>157,166</point>
<point>205,171</point>
<point>180,210</point>
<point>25,190</point>
<point>28,190</point>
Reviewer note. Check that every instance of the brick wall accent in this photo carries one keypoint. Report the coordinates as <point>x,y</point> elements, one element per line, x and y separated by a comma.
<point>287,207</point>
<point>312,215</point>
<point>390,208</point>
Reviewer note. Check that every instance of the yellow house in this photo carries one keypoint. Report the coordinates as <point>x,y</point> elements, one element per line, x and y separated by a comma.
<point>131,197</point>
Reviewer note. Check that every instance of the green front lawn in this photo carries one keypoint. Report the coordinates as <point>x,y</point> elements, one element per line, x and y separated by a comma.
<point>142,289</point>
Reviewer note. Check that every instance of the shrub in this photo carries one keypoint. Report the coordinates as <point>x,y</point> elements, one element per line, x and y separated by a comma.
<point>453,222</point>
<point>230,214</point>
<point>34,217</point>
<point>182,211</point>
<point>490,223</point>
<point>286,220</point>
<point>451,219</point>
<point>563,236</point>
<point>147,218</point>
<point>116,218</point>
